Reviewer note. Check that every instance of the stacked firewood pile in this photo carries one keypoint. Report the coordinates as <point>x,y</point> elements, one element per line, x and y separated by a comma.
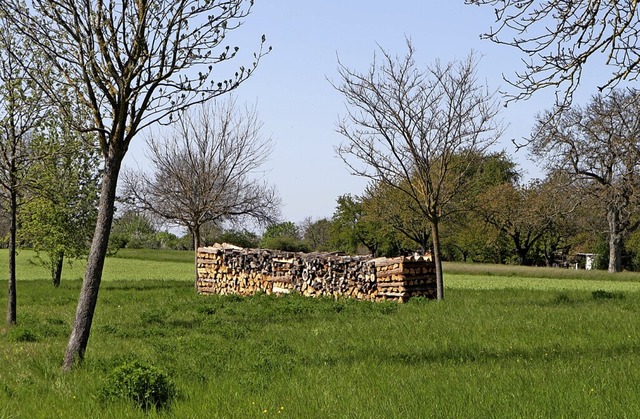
<point>402,278</point>
<point>227,269</point>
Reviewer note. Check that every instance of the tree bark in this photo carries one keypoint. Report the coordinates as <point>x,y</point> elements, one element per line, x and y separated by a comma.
<point>522,255</point>
<point>615,241</point>
<point>56,269</point>
<point>79,338</point>
<point>437,259</point>
<point>11,284</point>
<point>195,232</point>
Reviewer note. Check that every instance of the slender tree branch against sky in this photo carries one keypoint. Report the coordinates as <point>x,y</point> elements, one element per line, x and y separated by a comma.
<point>558,38</point>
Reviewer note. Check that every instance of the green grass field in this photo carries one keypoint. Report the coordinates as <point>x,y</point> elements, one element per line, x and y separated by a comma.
<point>506,342</point>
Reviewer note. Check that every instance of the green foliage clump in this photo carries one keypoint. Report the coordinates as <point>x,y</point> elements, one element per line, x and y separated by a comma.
<point>606,295</point>
<point>144,385</point>
<point>562,298</point>
<point>283,236</point>
<point>22,334</point>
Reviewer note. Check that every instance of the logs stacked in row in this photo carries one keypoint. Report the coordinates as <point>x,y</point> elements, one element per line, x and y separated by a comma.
<point>402,278</point>
<point>225,269</point>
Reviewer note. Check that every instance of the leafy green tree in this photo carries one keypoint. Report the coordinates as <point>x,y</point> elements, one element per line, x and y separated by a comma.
<point>399,222</point>
<point>465,233</point>
<point>133,230</point>
<point>350,230</point>
<point>317,234</point>
<point>22,107</point>
<point>529,214</point>
<point>242,238</point>
<point>130,65</point>
<point>58,217</point>
<point>283,236</point>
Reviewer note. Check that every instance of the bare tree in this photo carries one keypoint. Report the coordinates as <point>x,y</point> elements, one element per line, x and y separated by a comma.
<point>207,171</point>
<point>21,111</point>
<point>561,36</point>
<point>130,64</point>
<point>418,131</point>
<point>599,144</point>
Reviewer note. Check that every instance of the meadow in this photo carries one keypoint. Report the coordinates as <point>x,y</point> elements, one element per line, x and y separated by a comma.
<point>506,342</point>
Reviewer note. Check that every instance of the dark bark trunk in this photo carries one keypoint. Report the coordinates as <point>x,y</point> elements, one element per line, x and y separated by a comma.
<point>11,284</point>
<point>437,259</point>
<point>522,256</point>
<point>195,232</point>
<point>93,274</point>
<point>615,241</point>
<point>615,253</point>
<point>56,269</point>
<point>521,250</point>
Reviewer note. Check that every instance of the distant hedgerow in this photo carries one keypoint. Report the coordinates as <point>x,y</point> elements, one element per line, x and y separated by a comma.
<point>145,385</point>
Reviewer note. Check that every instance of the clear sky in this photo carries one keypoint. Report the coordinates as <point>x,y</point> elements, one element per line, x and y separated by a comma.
<point>300,108</point>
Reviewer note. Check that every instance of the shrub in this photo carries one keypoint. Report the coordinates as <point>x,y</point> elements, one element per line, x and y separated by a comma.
<point>144,385</point>
<point>562,298</point>
<point>606,295</point>
<point>20,334</point>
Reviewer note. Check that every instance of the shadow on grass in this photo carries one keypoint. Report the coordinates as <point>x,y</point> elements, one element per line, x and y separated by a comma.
<point>470,355</point>
<point>145,285</point>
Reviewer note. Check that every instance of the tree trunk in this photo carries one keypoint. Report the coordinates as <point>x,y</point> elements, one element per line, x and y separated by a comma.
<point>437,260</point>
<point>93,274</point>
<point>195,232</point>
<point>11,284</point>
<point>521,250</point>
<point>56,269</point>
<point>615,241</point>
<point>522,255</point>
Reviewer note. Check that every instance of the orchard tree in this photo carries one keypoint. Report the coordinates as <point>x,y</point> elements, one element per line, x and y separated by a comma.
<point>21,110</point>
<point>417,130</point>
<point>58,216</point>
<point>465,230</point>
<point>560,37</point>
<point>207,171</point>
<point>599,144</point>
<point>392,208</point>
<point>515,211</point>
<point>284,235</point>
<point>316,233</point>
<point>130,64</point>
<point>243,238</point>
<point>525,213</point>
<point>565,201</point>
<point>351,230</point>
<point>132,229</point>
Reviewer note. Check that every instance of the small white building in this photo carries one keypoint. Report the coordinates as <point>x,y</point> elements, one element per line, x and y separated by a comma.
<point>589,260</point>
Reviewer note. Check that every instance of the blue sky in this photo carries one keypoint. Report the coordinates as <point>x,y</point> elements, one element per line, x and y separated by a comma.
<point>299,107</point>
